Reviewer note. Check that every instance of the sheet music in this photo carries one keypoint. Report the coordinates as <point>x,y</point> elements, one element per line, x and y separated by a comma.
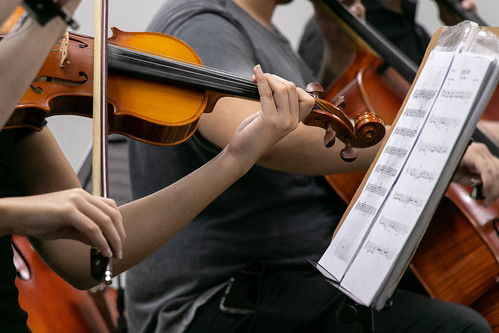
<point>373,234</point>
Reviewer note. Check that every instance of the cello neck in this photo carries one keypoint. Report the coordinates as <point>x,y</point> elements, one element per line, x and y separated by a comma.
<point>374,39</point>
<point>150,66</point>
<point>454,7</point>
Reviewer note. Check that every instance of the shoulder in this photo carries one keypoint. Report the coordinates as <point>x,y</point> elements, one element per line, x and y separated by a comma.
<point>207,26</point>
<point>175,14</point>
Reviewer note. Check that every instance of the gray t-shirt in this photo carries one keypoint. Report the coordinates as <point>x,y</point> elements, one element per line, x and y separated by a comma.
<point>267,215</point>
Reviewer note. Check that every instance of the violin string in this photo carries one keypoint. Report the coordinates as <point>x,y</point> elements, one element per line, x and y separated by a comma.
<point>232,78</point>
<point>208,73</point>
<point>202,73</point>
<point>327,107</point>
<point>156,67</point>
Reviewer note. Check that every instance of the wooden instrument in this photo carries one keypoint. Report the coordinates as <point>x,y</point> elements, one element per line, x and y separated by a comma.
<point>157,90</point>
<point>52,304</point>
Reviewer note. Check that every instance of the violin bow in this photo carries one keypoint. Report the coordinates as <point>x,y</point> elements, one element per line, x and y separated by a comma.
<point>100,266</point>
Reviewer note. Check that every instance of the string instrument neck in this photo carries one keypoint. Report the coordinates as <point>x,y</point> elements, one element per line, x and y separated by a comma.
<point>455,8</point>
<point>131,62</point>
<point>360,30</point>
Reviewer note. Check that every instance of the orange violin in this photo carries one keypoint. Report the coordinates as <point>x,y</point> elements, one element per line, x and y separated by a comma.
<point>158,89</point>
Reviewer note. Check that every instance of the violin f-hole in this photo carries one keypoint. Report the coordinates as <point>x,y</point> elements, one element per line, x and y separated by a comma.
<point>65,82</point>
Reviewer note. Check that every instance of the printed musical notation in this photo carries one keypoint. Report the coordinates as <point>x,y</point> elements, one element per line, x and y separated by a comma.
<point>404,131</point>
<point>391,225</point>
<point>384,215</point>
<point>397,151</point>
<point>457,94</point>
<point>379,251</point>
<point>418,113</point>
<point>376,189</point>
<point>418,174</point>
<point>386,170</point>
<point>432,148</point>
<point>407,199</point>
<point>442,123</point>
<point>365,208</point>
<point>425,94</point>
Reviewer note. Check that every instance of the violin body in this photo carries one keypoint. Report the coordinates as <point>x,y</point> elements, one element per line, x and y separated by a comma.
<point>143,109</point>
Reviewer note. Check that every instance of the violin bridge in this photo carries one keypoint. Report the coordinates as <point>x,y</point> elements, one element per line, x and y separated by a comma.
<point>64,49</point>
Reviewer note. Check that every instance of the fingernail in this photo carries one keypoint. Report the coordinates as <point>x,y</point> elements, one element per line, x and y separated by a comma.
<point>108,253</point>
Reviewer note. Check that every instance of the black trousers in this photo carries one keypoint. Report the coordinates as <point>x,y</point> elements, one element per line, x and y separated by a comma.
<point>300,300</point>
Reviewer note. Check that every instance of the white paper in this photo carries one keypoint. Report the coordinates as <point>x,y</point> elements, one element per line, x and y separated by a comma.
<point>374,233</point>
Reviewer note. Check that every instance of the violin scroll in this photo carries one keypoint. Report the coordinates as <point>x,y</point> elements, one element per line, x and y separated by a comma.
<point>365,130</point>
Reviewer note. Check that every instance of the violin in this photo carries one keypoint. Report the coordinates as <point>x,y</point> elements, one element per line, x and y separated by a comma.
<point>148,71</point>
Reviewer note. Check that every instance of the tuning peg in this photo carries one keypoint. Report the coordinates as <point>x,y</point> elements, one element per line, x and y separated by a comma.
<point>315,89</point>
<point>339,102</point>
<point>349,153</point>
<point>330,136</point>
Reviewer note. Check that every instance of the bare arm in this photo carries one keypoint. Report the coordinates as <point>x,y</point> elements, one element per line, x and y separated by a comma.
<point>153,220</point>
<point>6,9</point>
<point>302,151</point>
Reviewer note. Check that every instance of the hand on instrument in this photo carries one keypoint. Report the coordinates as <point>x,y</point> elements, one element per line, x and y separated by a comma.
<point>468,5</point>
<point>449,17</point>
<point>479,166</point>
<point>328,26</point>
<point>71,214</point>
<point>283,107</point>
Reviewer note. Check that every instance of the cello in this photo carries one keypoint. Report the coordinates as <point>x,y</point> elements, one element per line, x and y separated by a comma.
<point>457,259</point>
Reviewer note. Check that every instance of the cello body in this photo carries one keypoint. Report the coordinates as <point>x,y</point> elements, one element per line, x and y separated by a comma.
<point>53,305</point>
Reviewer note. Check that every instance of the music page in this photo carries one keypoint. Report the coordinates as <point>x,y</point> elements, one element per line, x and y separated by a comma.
<point>373,234</point>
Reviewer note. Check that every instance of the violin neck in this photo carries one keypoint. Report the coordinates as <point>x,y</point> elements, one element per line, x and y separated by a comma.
<point>148,66</point>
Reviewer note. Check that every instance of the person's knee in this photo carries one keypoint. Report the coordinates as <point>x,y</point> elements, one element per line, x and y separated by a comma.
<point>476,323</point>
